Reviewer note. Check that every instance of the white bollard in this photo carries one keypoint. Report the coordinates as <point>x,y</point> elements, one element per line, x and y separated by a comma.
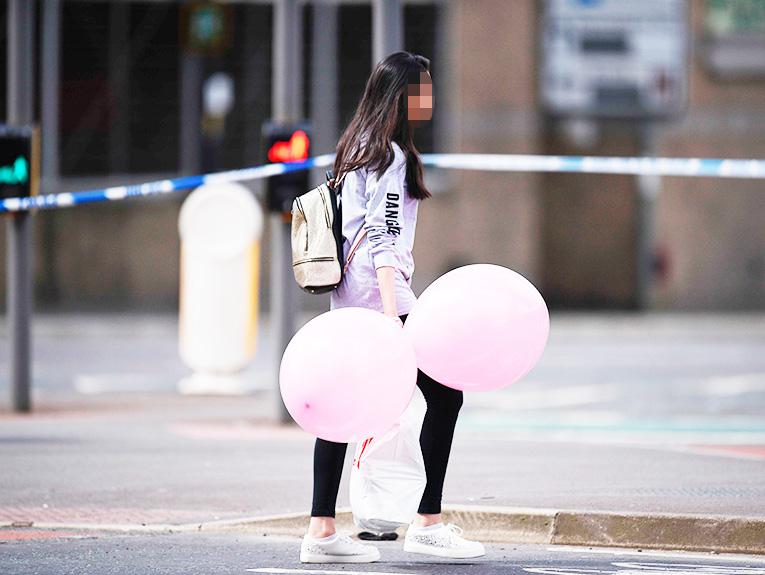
<point>220,227</point>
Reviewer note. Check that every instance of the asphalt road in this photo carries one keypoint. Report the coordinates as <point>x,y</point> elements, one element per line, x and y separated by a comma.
<point>702,363</point>
<point>655,412</point>
<point>208,554</point>
<point>681,377</point>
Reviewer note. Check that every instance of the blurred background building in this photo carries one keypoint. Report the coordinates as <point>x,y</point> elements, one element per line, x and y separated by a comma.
<point>148,90</point>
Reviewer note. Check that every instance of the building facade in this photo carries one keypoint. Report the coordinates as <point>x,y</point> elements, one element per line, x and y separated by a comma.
<point>127,89</point>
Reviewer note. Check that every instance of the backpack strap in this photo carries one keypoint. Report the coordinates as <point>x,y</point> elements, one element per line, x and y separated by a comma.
<point>356,244</point>
<point>336,184</point>
<point>353,250</point>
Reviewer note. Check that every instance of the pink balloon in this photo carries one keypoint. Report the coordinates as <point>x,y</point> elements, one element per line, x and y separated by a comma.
<point>479,327</point>
<point>348,374</point>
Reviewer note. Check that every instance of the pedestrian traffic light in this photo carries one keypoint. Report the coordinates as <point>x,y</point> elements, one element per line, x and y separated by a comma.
<point>19,158</point>
<point>286,143</point>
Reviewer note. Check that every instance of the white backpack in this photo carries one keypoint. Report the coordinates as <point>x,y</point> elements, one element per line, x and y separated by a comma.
<point>317,238</point>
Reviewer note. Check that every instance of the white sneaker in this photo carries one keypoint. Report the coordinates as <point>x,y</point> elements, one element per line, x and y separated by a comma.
<point>336,549</point>
<point>443,541</point>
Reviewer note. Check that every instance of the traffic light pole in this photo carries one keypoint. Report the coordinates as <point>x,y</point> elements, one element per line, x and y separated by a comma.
<point>387,28</point>
<point>286,99</point>
<point>19,225</point>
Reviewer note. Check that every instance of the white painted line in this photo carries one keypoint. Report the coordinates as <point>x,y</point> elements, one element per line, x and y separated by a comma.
<point>650,553</point>
<point>642,568</point>
<point>200,383</point>
<point>733,385</point>
<point>690,567</point>
<point>327,572</point>
<point>563,570</point>
<point>98,383</point>
<point>547,398</point>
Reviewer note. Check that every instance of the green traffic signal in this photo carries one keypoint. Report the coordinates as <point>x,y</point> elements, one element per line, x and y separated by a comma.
<point>18,173</point>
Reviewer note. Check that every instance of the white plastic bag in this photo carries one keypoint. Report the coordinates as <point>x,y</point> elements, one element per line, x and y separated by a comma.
<point>388,474</point>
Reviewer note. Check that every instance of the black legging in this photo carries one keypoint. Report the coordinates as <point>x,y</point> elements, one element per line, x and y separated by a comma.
<point>435,440</point>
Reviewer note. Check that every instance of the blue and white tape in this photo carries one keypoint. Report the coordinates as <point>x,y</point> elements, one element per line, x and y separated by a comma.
<point>701,167</point>
<point>694,167</point>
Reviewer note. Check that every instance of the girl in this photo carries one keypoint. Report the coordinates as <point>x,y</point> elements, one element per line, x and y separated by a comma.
<point>383,184</point>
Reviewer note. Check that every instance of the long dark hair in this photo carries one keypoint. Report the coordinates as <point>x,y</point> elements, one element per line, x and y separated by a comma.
<point>381,117</point>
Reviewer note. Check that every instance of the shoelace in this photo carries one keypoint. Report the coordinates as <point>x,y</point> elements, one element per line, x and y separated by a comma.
<point>456,529</point>
<point>345,538</point>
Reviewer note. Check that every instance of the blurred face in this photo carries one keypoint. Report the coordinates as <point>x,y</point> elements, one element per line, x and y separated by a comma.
<point>420,99</point>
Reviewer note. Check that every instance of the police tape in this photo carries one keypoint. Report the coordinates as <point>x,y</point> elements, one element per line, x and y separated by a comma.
<point>693,167</point>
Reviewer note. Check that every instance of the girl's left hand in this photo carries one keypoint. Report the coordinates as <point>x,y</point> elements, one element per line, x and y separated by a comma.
<point>396,319</point>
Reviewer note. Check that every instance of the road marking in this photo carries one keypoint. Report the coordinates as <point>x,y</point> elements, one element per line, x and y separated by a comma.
<point>691,567</point>
<point>97,383</point>
<point>547,397</point>
<point>324,572</point>
<point>238,431</point>
<point>635,568</point>
<point>648,553</point>
<point>733,385</point>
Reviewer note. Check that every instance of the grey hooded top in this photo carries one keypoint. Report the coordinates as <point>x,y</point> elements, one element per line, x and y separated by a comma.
<point>380,204</point>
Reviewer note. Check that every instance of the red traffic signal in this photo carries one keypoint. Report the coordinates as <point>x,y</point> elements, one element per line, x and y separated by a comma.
<point>293,150</point>
<point>289,143</point>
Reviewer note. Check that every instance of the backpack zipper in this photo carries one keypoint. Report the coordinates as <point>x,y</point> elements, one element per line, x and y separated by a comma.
<point>326,210</point>
<point>300,207</point>
<point>318,259</point>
